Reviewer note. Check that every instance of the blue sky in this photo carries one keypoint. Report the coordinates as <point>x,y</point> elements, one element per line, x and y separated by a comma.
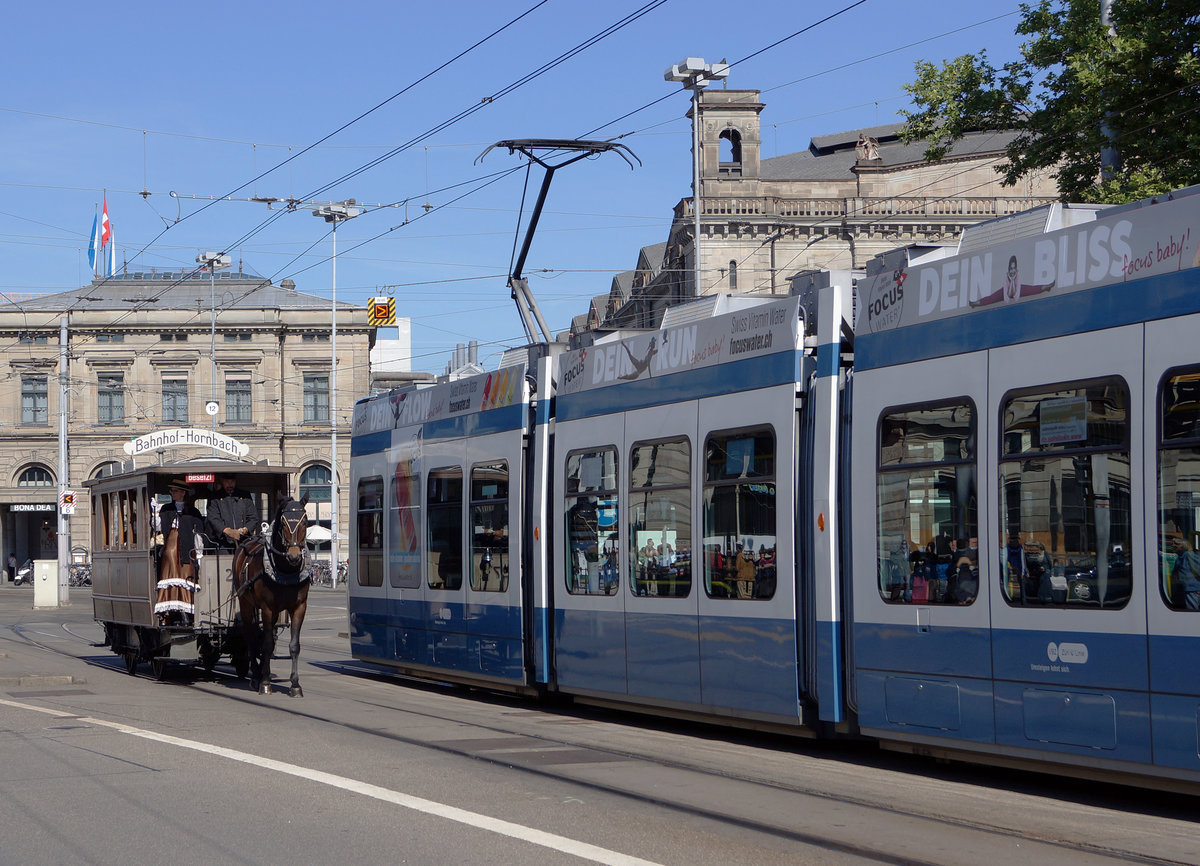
<point>200,98</point>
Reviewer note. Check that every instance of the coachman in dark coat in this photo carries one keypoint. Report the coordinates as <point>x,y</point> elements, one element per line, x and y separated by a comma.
<point>232,515</point>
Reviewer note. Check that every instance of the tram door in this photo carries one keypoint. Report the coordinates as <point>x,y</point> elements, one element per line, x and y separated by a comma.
<point>661,600</point>
<point>922,558</point>
<point>1171,419</point>
<point>1069,622</point>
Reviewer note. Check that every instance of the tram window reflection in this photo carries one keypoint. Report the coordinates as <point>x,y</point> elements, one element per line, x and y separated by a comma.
<point>445,538</point>
<point>1065,504</point>
<point>1179,489</point>
<point>404,526</point>
<point>740,515</point>
<point>928,545</point>
<point>591,522</point>
<point>660,519</point>
<point>489,527</point>
<point>369,531</point>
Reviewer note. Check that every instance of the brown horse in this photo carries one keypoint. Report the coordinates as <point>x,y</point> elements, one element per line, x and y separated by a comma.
<point>271,576</point>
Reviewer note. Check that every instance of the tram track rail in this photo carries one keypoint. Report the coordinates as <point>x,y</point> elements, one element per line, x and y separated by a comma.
<point>523,757</point>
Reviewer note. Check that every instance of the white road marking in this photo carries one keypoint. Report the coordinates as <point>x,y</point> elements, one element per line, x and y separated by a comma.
<point>552,841</point>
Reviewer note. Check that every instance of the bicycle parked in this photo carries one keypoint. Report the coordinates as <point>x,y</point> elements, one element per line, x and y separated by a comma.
<point>322,575</point>
<point>80,575</point>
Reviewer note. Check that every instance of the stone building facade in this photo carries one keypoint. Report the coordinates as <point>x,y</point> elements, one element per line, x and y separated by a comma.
<point>834,206</point>
<point>146,352</point>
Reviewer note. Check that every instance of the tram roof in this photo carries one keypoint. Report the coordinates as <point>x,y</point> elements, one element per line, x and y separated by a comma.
<point>194,466</point>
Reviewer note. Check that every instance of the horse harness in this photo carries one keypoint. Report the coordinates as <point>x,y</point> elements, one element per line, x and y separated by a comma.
<point>264,546</point>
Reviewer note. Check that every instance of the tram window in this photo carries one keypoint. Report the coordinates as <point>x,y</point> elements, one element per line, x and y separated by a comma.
<point>445,510</point>
<point>489,527</point>
<point>739,515</point>
<point>369,527</point>
<point>660,522</point>
<point>1065,522</point>
<point>114,521</point>
<point>926,505</point>
<point>104,522</point>
<point>1179,489</point>
<point>404,527</point>
<point>592,527</point>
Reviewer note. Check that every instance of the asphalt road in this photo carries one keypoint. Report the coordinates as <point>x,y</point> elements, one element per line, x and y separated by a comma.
<point>100,767</point>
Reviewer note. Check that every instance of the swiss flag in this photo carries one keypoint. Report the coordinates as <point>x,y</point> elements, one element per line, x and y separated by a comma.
<point>105,228</point>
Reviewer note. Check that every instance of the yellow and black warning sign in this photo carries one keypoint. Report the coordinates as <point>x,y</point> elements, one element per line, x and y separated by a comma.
<point>381,311</point>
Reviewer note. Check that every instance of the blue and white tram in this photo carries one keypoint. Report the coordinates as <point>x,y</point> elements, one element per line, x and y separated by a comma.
<point>1000,563</point>
<point>1023,486</point>
<point>649,523</point>
<point>437,480</point>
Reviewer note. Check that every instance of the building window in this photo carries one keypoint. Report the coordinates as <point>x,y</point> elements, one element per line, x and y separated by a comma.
<point>733,275</point>
<point>110,338</point>
<point>36,476</point>
<point>237,400</point>
<point>33,400</point>
<point>731,152</point>
<point>316,484</point>
<point>316,398</point>
<point>236,338</point>
<point>110,396</point>
<point>178,337</point>
<point>314,338</point>
<point>926,503</point>
<point>174,400</point>
<point>32,338</point>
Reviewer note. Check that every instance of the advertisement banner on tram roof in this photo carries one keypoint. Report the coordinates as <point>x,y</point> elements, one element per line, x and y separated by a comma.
<point>480,393</point>
<point>748,333</point>
<point>1128,245</point>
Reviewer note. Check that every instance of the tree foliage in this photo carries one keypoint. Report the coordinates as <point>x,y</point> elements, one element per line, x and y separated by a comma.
<point>1072,79</point>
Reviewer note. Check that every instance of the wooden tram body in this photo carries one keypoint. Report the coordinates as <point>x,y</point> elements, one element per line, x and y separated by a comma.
<point>126,548</point>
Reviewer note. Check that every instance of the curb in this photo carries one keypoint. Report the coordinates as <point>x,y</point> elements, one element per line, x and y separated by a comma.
<point>43,680</point>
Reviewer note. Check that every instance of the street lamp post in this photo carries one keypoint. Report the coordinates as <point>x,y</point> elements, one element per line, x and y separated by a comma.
<point>334,213</point>
<point>694,74</point>
<point>213,262</point>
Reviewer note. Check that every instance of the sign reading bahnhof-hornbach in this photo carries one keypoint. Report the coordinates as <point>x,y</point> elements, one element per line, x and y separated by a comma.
<point>185,437</point>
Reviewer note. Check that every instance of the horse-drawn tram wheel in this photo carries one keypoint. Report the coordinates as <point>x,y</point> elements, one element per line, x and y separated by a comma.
<point>209,655</point>
<point>131,662</point>
<point>158,667</point>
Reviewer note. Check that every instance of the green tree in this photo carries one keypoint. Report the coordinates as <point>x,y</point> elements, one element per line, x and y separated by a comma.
<point>1072,79</point>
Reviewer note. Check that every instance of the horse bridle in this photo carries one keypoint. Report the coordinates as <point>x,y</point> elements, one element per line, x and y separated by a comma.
<point>292,526</point>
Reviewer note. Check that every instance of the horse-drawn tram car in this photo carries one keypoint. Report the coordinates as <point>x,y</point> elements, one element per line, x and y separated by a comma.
<point>162,586</point>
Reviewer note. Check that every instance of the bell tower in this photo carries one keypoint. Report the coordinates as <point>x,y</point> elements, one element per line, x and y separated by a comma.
<point>730,138</point>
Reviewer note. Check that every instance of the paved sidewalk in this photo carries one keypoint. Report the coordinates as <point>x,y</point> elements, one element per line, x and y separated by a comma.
<point>24,664</point>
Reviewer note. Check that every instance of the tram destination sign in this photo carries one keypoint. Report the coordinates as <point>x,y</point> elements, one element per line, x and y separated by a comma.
<point>185,437</point>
